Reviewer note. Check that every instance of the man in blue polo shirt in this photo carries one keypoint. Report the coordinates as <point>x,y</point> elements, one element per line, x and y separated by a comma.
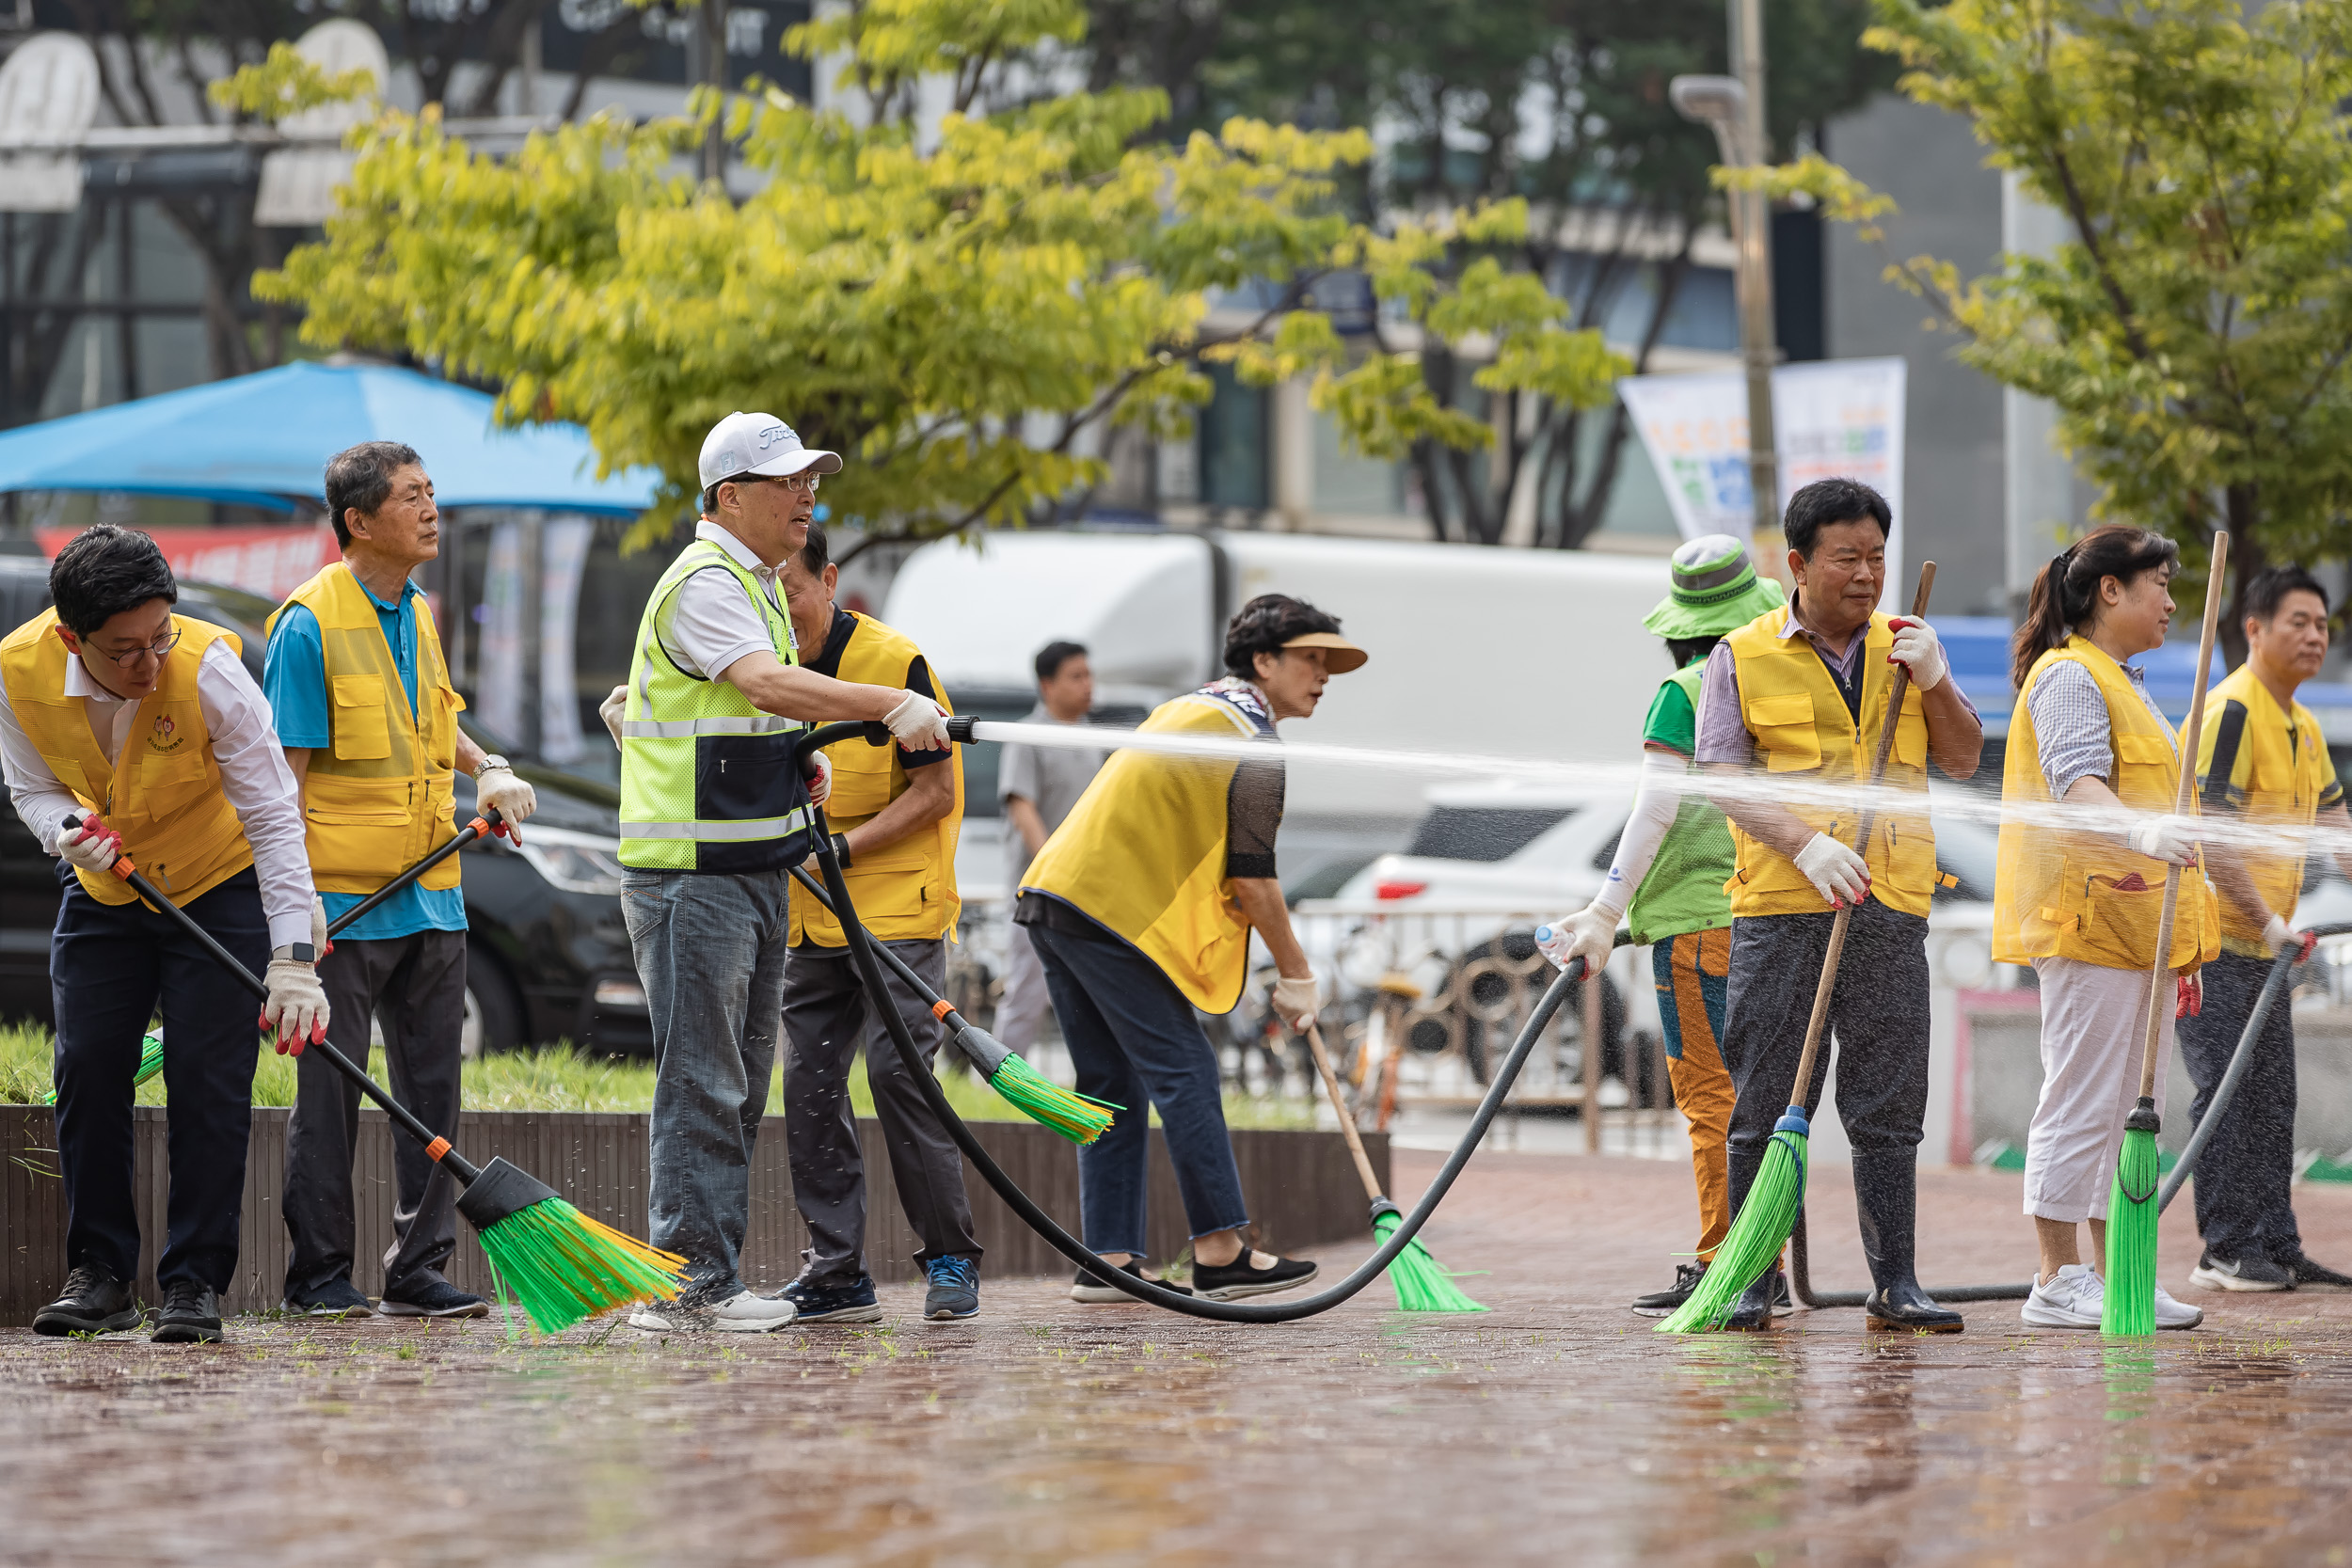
<point>355,675</point>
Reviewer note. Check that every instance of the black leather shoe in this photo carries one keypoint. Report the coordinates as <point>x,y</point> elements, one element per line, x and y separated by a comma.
<point>1755,1311</point>
<point>1907,1308</point>
<point>94,1302</point>
<point>191,1315</point>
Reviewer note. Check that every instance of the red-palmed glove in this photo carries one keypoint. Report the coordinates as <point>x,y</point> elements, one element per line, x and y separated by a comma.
<point>2189,996</point>
<point>88,844</point>
<point>296,1008</point>
<point>2282,937</point>
<point>820,778</point>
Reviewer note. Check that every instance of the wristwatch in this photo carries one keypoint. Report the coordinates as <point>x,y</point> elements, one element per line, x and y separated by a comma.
<point>489,762</point>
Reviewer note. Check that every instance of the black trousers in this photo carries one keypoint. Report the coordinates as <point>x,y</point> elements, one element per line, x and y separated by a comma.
<point>2246,1177</point>
<point>417,985</point>
<point>825,1016</point>
<point>111,968</point>
<point>1878,1016</point>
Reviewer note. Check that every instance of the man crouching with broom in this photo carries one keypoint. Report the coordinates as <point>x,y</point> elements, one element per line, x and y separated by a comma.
<point>1795,700</point>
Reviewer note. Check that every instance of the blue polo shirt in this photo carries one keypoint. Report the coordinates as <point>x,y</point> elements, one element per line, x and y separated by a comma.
<point>293,678</point>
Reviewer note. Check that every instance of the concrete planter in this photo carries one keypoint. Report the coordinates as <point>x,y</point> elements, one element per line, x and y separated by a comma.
<point>1301,1186</point>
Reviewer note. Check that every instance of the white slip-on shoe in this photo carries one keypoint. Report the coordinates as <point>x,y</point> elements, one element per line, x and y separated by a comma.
<point>651,1317</point>
<point>2176,1314</point>
<point>2071,1298</point>
<point>748,1312</point>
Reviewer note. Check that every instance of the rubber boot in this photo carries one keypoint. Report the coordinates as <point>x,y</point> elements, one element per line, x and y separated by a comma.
<point>1886,1187</point>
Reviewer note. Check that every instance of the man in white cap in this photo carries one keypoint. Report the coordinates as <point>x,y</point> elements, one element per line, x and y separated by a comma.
<point>713,816</point>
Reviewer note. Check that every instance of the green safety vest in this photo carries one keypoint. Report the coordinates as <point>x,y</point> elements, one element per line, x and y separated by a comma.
<point>1684,890</point>
<point>708,780</point>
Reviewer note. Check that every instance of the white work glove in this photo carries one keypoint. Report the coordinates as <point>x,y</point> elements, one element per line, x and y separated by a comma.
<point>497,789</point>
<point>2166,838</point>
<point>1588,934</point>
<point>296,1008</point>
<point>2280,937</point>
<point>88,844</point>
<point>917,724</point>
<point>1295,1002</point>
<point>1917,644</point>
<point>820,778</point>
<point>320,943</point>
<point>612,709</point>
<point>1838,874</point>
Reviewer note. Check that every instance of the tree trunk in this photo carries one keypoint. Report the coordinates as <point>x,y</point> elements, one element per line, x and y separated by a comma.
<point>2247,558</point>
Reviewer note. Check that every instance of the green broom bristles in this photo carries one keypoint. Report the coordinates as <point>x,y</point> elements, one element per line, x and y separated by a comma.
<point>563,1267</point>
<point>151,1063</point>
<point>2130,1307</point>
<point>1074,1115</point>
<point>1758,1233</point>
<point>1422,1284</point>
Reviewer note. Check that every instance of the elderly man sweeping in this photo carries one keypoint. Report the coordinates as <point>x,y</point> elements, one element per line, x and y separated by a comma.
<point>130,731</point>
<point>1671,865</point>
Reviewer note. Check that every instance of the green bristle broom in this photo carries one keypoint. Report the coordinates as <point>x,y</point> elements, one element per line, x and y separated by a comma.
<point>1422,1284</point>
<point>560,1266</point>
<point>1760,1229</point>
<point>151,1063</point>
<point>2130,1304</point>
<point>1075,1116</point>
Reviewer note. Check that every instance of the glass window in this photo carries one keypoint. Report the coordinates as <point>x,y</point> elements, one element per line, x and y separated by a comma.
<point>1233,443</point>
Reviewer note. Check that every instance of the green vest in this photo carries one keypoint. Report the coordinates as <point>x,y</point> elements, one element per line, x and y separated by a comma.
<point>708,780</point>
<point>1684,890</point>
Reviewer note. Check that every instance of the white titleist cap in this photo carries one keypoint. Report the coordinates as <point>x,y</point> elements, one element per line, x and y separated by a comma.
<point>758,444</point>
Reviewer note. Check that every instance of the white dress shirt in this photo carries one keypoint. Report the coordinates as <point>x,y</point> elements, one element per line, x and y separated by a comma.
<point>253,774</point>
<point>709,623</point>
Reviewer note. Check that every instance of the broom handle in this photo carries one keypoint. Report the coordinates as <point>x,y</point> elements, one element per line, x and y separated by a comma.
<point>1828,982</point>
<point>488,821</point>
<point>1348,1123</point>
<point>2181,797</point>
<point>916,983</point>
<point>458,1165</point>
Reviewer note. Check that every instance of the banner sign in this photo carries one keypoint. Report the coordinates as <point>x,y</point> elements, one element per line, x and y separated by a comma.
<point>268,562</point>
<point>1830,418</point>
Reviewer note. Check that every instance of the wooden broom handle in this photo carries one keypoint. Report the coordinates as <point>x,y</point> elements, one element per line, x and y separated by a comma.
<point>1862,844</point>
<point>1348,1123</point>
<point>2182,799</point>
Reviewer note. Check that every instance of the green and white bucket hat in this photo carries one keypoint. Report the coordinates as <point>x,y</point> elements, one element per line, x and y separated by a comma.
<point>1716,590</point>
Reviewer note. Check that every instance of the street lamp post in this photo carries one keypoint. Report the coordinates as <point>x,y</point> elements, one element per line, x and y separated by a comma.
<point>1734,112</point>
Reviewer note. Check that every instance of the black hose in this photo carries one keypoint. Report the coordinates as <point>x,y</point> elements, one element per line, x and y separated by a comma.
<point>871,974</point>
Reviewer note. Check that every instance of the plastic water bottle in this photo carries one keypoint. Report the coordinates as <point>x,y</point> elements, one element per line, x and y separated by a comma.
<point>1553,945</point>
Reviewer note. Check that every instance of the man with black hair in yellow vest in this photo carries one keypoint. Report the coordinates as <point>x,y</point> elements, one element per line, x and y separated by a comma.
<point>369,719</point>
<point>1792,704</point>
<point>897,812</point>
<point>2262,762</point>
<point>127,731</point>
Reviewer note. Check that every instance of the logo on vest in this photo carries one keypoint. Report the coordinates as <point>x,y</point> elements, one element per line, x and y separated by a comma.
<point>166,737</point>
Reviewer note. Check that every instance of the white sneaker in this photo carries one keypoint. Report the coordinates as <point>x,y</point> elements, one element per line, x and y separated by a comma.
<point>2071,1298</point>
<point>2173,1314</point>
<point>745,1313</point>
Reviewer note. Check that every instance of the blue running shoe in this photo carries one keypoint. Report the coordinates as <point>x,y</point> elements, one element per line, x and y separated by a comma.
<point>853,1302</point>
<point>955,1291</point>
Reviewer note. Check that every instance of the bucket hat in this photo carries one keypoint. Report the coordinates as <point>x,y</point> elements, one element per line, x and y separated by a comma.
<point>1716,590</point>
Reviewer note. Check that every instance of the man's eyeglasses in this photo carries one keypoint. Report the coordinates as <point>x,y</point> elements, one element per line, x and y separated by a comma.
<point>157,650</point>
<point>804,483</point>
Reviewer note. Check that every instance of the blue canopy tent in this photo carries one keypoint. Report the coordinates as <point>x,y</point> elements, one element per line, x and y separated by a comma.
<point>265,439</point>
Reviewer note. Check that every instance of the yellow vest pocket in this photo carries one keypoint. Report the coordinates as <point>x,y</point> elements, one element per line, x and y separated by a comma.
<point>361,729</point>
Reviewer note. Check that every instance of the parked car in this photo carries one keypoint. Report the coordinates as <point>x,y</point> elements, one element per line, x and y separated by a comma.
<point>548,956</point>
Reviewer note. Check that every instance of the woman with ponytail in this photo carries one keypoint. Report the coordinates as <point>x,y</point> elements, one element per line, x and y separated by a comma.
<point>2086,837</point>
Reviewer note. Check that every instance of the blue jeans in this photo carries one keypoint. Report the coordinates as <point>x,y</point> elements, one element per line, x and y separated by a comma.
<point>710,950</point>
<point>1131,1035</point>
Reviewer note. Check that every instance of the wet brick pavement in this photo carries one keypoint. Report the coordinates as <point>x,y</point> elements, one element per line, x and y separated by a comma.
<point>1555,1429</point>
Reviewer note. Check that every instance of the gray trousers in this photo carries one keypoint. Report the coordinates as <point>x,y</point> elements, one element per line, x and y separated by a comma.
<point>417,985</point>
<point>825,1016</point>
<point>710,948</point>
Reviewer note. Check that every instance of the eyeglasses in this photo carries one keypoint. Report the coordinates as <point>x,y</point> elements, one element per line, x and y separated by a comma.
<point>157,651</point>
<point>803,483</point>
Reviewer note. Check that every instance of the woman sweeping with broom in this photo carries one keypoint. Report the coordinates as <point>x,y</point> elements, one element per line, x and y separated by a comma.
<point>2082,904</point>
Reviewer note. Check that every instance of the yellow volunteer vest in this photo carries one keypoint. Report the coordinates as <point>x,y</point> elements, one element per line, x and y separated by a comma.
<point>1803,728</point>
<point>2055,891</point>
<point>376,799</point>
<point>1143,854</point>
<point>162,794</point>
<point>2284,785</point>
<point>905,892</point>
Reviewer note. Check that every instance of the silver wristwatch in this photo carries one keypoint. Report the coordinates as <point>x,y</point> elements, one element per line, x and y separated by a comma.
<point>489,762</point>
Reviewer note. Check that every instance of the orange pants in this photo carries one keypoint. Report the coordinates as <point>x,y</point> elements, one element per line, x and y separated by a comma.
<point>1692,972</point>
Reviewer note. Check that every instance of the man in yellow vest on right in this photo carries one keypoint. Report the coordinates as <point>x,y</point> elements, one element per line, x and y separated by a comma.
<point>897,810</point>
<point>1792,702</point>
<point>2262,761</point>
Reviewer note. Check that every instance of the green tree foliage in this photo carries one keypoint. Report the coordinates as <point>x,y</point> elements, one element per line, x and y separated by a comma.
<point>953,304</point>
<point>2194,330</point>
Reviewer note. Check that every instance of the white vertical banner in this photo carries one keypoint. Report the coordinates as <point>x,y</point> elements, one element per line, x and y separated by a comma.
<point>499,668</point>
<point>1830,418</point>
<point>563,559</point>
